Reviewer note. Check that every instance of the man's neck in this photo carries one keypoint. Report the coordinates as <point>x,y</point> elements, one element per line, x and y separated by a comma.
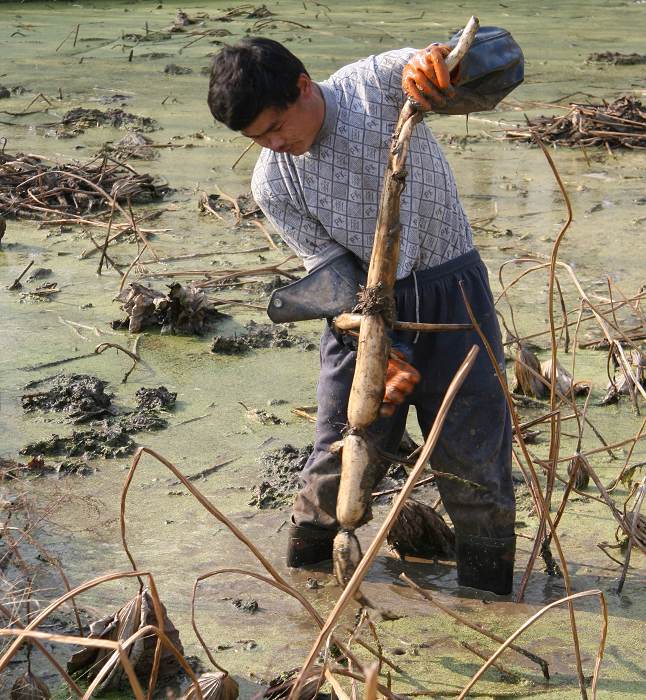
<point>319,108</point>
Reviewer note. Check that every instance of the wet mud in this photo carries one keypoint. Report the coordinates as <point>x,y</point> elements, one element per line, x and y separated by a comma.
<point>117,62</point>
<point>260,335</point>
<point>82,399</point>
<point>79,396</point>
<point>149,399</point>
<point>104,440</point>
<point>279,474</point>
<point>11,469</point>
<point>618,59</point>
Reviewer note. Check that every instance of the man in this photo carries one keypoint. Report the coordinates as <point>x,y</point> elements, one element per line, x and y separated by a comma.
<point>318,178</point>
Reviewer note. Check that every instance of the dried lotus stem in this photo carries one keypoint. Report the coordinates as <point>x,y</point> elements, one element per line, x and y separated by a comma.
<point>634,518</point>
<point>278,581</point>
<point>46,653</point>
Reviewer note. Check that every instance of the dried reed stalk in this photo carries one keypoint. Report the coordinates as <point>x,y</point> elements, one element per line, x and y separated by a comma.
<point>111,200</point>
<point>52,560</point>
<point>71,683</point>
<point>289,590</point>
<point>623,470</point>
<point>206,503</point>
<point>632,538</point>
<point>278,581</point>
<point>622,123</point>
<point>132,354</point>
<point>542,663</point>
<point>535,488</point>
<point>85,642</point>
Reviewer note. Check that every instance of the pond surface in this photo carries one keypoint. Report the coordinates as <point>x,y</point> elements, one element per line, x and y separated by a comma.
<point>117,59</point>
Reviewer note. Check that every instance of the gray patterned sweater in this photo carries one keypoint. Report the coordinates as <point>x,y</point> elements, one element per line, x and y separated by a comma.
<point>325,202</point>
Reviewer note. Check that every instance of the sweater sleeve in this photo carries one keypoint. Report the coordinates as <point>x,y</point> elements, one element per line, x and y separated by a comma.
<point>278,199</point>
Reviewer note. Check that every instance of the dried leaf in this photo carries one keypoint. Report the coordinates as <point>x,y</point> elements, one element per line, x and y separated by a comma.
<point>135,614</point>
<point>214,686</point>
<point>420,531</point>
<point>526,381</point>
<point>183,310</point>
<point>564,379</point>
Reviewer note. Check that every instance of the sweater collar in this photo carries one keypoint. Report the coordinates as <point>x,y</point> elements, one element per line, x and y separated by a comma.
<point>331,112</point>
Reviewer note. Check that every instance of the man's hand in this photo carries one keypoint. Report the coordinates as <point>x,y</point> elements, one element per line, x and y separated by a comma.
<point>426,78</point>
<point>401,378</point>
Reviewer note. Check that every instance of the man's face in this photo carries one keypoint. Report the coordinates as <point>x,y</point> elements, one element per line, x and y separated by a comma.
<point>291,130</point>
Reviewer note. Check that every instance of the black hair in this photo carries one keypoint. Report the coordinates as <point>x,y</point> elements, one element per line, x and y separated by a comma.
<point>249,77</point>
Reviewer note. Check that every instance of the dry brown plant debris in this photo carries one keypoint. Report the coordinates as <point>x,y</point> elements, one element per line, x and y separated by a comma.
<point>621,123</point>
<point>134,615</point>
<point>180,311</point>
<point>30,188</point>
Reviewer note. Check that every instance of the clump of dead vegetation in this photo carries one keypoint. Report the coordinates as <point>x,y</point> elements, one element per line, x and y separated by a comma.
<point>77,120</point>
<point>621,123</point>
<point>31,188</point>
<point>180,311</point>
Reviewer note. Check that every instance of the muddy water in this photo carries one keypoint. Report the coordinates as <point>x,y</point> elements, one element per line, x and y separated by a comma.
<point>168,532</point>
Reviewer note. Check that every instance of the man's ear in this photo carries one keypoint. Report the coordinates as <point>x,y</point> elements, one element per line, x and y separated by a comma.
<point>304,84</point>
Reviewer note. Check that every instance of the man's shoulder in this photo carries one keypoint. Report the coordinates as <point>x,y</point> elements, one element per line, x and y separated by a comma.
<point>371,66</point>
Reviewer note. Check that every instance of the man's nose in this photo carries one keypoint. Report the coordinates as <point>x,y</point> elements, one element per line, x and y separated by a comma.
<point>275,142</point>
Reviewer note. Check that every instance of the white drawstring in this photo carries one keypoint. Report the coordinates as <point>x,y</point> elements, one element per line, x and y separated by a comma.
<point>415,339</point>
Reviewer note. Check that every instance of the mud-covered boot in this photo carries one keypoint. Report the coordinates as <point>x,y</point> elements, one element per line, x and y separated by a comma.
<point>486,563</point>
<point>307,546</point>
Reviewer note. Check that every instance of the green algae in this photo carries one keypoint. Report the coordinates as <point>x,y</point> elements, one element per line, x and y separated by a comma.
<point>168,531</point>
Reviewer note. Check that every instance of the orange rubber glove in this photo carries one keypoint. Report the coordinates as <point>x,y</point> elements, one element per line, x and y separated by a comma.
<point>426,79</point>
<point>401,379</point>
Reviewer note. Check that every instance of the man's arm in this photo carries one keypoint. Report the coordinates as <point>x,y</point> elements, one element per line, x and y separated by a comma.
<point>304,234</point>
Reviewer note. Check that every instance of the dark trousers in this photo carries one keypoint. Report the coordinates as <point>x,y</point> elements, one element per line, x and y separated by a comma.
<point>475,443</point>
